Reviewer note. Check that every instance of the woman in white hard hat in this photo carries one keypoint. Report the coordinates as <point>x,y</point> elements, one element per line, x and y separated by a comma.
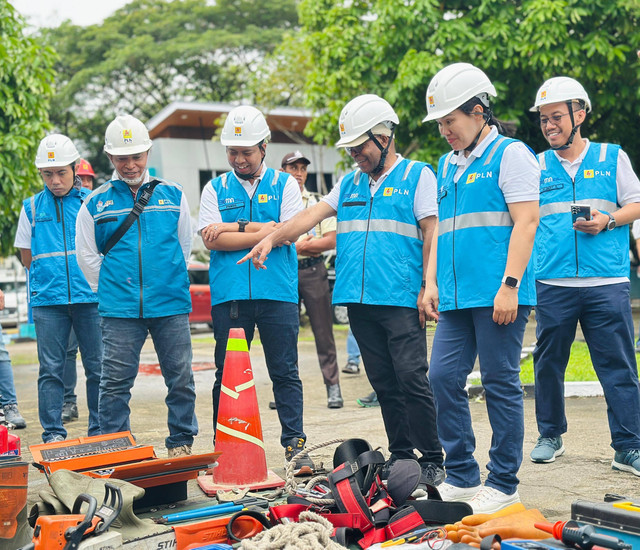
<point>480,285</point>
<point>60,294</point>
<point>582,272</point>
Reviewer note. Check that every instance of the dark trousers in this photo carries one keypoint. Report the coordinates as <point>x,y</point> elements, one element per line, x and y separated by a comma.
<point>313,288</point>
<point>394,353</point>
<point>461,336</point>
<point>604,313</point>
<point>278,324</point>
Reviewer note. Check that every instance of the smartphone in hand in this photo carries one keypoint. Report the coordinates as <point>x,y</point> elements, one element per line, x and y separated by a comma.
<point>580,213</point>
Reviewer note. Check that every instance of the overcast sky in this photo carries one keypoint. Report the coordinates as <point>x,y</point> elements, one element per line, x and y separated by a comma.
<point>48,13</point>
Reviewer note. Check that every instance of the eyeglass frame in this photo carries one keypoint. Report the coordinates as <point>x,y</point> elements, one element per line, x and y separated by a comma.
<point>556,119</point>
<point>357,149</point>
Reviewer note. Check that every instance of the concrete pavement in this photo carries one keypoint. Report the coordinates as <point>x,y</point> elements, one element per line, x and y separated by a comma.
<point>584,472</point>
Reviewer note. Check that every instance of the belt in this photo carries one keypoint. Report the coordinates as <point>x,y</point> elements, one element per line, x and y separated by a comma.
<point>308,262</point>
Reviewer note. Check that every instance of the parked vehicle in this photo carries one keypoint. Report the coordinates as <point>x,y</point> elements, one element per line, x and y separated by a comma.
<point>200,293</point>
<point>13,284</point>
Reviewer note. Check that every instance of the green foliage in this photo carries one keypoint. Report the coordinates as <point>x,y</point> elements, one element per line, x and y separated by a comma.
<point>394,47</point>
<point>152,52</point>
<point>26,79</point>
<point>579,368</point>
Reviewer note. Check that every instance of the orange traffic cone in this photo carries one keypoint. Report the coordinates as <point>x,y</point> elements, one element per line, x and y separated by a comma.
<point>243,462</point>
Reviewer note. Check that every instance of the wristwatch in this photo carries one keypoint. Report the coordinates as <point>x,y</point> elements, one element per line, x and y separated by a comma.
<point>511,282</point>
<point>242,223</point>
<point>611,224</point>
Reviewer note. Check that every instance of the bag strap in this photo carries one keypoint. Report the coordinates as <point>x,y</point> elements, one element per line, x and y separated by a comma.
<point>137,209</point>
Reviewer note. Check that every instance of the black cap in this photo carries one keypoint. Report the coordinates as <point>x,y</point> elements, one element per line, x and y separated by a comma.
<point>294,156</point>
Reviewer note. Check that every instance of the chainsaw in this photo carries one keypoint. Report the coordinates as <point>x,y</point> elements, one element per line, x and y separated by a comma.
<point>66,531</point>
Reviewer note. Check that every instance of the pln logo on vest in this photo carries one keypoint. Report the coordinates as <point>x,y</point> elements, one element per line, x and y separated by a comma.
<point>478,176</point>
<point>127,136</point>
<point>164,201</point>
<point>100,206</point>
<point>388,191</point>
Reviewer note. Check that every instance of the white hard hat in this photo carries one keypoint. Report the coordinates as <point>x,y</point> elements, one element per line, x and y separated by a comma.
<point>454,85</point>
<point>56,150</point>
<point>126,135</point>
<point>559,89</point>
<point>363,113</point>
<point>245,126</point>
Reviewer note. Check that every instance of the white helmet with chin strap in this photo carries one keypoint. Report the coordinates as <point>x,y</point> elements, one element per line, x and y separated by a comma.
<point>362,114</point>
<point>56,151</point>
<point>563,89</point>
<point>453,86</point>
<point>362,119</point>
<point>245,126</point>
<point>126,135</point>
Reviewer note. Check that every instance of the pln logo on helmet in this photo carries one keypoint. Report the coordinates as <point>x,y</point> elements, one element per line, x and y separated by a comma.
<point>127,136</point>
<point>51,156</point>
<point>237,130</point>
<point>432,102</point>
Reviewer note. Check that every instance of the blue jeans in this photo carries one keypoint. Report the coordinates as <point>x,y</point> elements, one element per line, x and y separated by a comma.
<point>604,313</point>
<point>353,351</point>
<point>53,325</point>
<point>123,341</point>
<point>70,376</point>
<point>7,387</point>
<point>278,323</point>
<point>461,336</point>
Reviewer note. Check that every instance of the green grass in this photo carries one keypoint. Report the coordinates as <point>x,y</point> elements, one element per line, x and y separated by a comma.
<point>579,369</point>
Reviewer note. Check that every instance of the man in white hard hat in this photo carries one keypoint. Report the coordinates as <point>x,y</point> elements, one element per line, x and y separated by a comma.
<point>386,212</point>
<point>133,242</point>
<point>582,272</point>
<point>313,281</point>
<point>60,294</point>
<point>237,209</point>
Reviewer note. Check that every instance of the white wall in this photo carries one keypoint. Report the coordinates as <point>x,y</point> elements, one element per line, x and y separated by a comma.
<point>181,160</point>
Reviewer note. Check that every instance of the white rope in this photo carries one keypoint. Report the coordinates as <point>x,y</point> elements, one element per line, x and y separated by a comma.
<point>312,532</point>
<point>291,486</point>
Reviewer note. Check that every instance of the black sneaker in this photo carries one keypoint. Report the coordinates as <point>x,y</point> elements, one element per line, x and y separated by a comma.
<point>370,400</point>
<point>432,474</point>
<point>69,412</point>
<point>12,416</point>
<point>386,468</point>
<point>334,397</point>
<point>303,465</point>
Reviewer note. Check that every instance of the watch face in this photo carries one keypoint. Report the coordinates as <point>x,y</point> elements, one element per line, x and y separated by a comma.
<point>511,281</point>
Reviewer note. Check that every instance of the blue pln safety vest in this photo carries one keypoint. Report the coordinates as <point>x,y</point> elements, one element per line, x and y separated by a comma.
<point>560,250</point>
<point>474,229</point>
<point>379,242</point>
<point>145,274</point>
<point>230,281</point>
<point>54,276</point>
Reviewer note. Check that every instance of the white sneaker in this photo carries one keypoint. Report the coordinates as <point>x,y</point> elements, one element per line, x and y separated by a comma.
<point>489,500</point>
<point>451,493</point>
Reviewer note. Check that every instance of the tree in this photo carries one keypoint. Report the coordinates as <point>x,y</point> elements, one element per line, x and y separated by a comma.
<point>26,79</point>
<point>152,52</point>
<point>393,48</point>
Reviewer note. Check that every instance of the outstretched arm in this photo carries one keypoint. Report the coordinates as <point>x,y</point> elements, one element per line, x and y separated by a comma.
<point>289,232</point>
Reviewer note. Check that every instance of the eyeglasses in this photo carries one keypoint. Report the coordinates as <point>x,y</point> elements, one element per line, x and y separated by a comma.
<point>556,119</point>
<point>357,149</point>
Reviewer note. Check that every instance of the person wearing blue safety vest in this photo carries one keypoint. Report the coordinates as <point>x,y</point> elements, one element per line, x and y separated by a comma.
<point>582,272</point>
<point>386,212</point>
<point>139,270</point>
<point>479,285</point>
<point>60,294</point>
<point>237,209</point>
